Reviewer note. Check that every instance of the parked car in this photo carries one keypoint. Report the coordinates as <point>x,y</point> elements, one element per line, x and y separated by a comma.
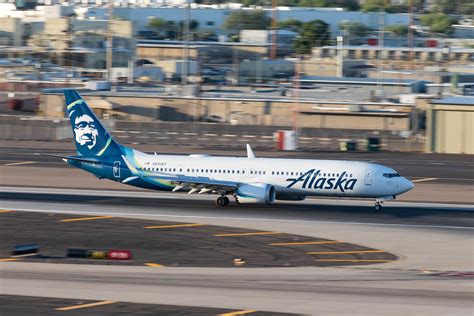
<point>212,119</point>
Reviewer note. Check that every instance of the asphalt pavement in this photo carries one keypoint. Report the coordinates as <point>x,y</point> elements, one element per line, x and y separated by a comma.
<point>458,169</point>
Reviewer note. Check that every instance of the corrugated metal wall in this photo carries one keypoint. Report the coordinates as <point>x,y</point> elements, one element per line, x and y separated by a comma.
<point>452,131</point>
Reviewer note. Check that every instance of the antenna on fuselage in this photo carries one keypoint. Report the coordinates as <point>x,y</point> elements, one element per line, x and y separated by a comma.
<point>250,153</point>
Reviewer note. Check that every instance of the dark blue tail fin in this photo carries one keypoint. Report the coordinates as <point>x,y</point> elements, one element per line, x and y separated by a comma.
<point>91,138</point>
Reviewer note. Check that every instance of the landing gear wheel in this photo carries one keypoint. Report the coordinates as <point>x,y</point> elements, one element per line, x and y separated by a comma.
<point>222,201</point>
<point>378,207</point>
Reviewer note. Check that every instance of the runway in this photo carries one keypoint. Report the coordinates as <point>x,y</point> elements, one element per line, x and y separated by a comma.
<point>432,241</point>
<point>428,241</point>
<point>429,215</point>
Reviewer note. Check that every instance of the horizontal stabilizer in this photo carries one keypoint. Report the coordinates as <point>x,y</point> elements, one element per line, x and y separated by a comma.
<point>76,158</point>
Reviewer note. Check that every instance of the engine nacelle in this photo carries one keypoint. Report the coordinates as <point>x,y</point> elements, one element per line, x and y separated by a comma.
<point>258,193</point>
<point>290,197</point>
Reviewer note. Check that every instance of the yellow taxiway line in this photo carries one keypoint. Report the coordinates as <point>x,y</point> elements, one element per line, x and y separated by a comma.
<point>174,226</point>
<point>297,243</point>
<point>68,308</point>
<point>5,211</point>
<point>153,265</point>
<point>243,312</point>
<point>84,218</point>
<point>247,234</point>
<point>8,259</point>
<point>342,252</point>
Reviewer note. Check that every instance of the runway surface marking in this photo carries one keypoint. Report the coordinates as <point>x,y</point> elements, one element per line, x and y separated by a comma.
<point>19,163</point>
<point>328,242</point>
<point>9,259</point>
<point>125,214</point>
<point>174,226</point>
<point>154,265</point>
<point>246,234</point>
<point>5,211</point>
<point>84,218</point>
<point>342,252</point>
<point>243,312</point>
<point>68,308</point>
<point>352,260</point>
<point>424,179</point>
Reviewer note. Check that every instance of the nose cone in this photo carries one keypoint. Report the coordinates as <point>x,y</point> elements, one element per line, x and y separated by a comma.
<point>405,185</point>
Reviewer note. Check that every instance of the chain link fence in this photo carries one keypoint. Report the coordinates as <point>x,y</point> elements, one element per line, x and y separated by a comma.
<point>205,134</point>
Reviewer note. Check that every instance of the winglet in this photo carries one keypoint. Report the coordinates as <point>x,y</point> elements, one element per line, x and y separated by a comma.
<point>250,153</point>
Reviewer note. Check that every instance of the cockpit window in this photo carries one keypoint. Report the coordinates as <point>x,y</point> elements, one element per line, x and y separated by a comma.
<point>391,175</point>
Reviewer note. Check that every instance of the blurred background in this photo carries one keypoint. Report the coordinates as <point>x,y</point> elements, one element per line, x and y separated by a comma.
<point>345,75</point>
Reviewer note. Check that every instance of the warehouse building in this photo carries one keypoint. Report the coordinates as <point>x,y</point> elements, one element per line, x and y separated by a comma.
<point>450,125</point>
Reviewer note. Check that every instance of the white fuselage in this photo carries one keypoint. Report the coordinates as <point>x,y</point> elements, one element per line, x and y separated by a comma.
<point>301,177</point>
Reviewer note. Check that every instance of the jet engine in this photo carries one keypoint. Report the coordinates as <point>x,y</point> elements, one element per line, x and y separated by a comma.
<point>259,193</point>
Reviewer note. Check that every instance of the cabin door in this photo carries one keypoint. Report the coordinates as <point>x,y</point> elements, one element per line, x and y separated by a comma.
<point>368,177</point>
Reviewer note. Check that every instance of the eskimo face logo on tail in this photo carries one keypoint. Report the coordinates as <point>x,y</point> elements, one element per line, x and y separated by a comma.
<point>85,131</point>
<point>313,179</point>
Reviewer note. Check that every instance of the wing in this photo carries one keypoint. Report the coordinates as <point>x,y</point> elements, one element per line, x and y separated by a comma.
<point>194,184</point>
<point>177,182</point>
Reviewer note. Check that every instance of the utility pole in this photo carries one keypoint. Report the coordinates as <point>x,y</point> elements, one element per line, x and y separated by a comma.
<point>380,49</point>
<point>110,42</point>
<point>410,34</point>
<point>184,67</point>
<point>273,54</point>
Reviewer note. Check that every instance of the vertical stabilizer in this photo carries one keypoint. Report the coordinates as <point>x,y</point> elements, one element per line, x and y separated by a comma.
<point>90,136</point>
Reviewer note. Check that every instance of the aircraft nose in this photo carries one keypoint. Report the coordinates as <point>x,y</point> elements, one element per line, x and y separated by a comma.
<point>406,185</point>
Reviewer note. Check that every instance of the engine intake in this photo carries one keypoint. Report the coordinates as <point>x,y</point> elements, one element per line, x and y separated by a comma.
<point>257,193</point>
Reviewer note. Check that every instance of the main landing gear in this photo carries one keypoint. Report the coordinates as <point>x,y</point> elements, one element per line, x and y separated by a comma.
<point>378,205</point>
<point>222,201</point>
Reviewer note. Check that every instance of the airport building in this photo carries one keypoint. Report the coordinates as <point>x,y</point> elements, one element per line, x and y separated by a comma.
<point>399,57</point>
<point>450,125</point>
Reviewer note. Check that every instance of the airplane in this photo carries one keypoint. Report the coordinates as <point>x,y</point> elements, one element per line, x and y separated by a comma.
<point>249,180</point>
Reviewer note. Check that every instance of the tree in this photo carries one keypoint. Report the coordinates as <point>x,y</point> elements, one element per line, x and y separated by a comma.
<point>249,20</point>
<point>373,5</point>
<point>377,5</point>
<point>465,7</point>
<point>398,29</point>
<point>157,24</point>
<point>396,8</point>
<point>313,33</point>
<point>354,29</point>
<point>438,22</point>
<point>291,25</point>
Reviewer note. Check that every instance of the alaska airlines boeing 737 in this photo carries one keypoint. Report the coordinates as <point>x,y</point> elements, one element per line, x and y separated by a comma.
<point>247,179</point>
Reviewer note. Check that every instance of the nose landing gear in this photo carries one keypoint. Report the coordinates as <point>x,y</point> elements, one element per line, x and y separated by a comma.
<point>222,201</point>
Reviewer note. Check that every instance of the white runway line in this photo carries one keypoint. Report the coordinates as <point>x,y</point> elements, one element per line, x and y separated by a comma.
<point>424,179</point>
